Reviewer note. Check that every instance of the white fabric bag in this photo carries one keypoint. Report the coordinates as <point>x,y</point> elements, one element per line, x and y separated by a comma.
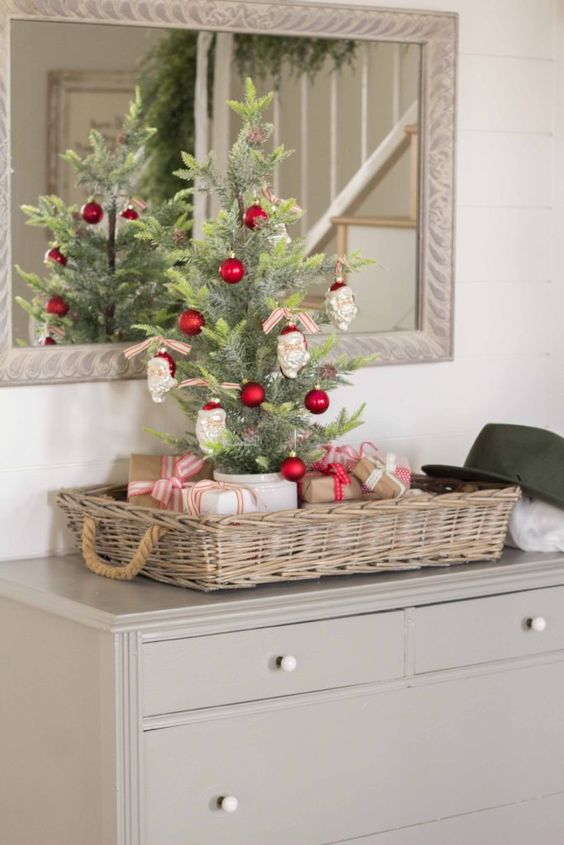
<point>536,526</point>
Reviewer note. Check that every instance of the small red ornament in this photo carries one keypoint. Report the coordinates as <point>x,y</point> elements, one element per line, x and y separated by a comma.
<point>292,468</point>
<point>129,213</point>
<point>253,394</point>
<point>232,270</point>
<point>254,215</point>
<point>316,401</point>
<point>57,305</point>
<point>48,341</point>
<point>338,283</point>
<point>92,212</point>
<point>54,254</point>
<point>209,406</point>
<point>162,353</point>
<point>191,321</point>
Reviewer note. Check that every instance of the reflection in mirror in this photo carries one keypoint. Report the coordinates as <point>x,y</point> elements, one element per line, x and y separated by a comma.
<point>352,118</point>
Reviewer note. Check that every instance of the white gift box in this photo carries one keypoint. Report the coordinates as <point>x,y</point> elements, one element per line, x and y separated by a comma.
<point>233,494</point>
<point>223,502</point>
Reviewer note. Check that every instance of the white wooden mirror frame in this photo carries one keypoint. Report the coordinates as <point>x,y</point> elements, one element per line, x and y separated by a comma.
<point>437,35</point>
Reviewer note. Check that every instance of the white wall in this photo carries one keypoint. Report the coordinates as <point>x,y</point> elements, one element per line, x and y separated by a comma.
<point>509,299</point>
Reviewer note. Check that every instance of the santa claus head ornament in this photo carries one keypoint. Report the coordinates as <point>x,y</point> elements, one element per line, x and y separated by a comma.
<point>341,307</point>
<point>210,426</point>
<point>292,351</point>
<point>159,378</point>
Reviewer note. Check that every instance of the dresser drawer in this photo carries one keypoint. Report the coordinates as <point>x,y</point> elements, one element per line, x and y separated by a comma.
<point>318,772</point>
<point>267,662</point>
<point>463,633</point>
<point>540,821</point>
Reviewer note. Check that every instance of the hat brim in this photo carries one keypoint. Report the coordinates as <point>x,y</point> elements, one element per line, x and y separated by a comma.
<point>469,474</point>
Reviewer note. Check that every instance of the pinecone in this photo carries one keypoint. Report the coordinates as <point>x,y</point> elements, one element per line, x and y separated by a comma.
<point>121,138</point>
<point>328,372</point>
<point>255,136</point>
<point>180,237</point>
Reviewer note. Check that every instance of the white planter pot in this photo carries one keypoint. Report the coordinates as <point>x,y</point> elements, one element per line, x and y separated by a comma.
<point>273,493</point>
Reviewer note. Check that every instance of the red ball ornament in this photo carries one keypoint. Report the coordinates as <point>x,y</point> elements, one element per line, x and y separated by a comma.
<point>316,401</point>
<point>162,353</point>
<point>48,341</point>
<point>254,215</point>
<point>191,321</point>
<point>92,212</point>
<point>232,270</point>
<point>54,254</point>
<point>57,305</point>
<point>292,468</point>
<point>253,394</point>
<point>129,213</point>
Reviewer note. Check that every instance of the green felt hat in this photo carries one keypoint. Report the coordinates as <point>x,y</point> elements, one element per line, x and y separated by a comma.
<point>533,458</point>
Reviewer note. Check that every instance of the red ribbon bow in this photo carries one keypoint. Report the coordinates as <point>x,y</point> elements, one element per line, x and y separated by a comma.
<point>340,478</point>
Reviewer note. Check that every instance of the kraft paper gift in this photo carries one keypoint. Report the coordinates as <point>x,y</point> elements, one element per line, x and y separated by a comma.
<point>156,481</point>
<point>331,486</point>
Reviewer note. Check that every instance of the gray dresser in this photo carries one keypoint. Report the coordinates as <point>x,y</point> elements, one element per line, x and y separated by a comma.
<point>421,708</point>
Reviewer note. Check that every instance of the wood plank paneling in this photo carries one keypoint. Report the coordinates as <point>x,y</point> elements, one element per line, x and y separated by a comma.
<point>505,94</point>
<point>74,433</point>
<point>503,244</point>
<point>504,169</point>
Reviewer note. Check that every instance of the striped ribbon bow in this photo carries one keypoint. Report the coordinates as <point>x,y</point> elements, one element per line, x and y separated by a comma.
<point>167,490</point>
<point>278,314</point>
<point>194,492</point>
<point>340,478</point>
<point>347,456</point>
<point>176,345</point>
<point>202,382</point>
<point>58,331</point>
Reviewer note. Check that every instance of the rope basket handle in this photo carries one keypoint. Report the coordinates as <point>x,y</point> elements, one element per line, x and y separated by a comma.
<point>108,570</point>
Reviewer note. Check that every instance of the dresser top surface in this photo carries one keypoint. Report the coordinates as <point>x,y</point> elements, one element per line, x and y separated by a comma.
<point>62,585</point>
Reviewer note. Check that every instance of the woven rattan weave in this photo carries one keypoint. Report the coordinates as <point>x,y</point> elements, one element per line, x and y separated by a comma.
<point>447,523</point>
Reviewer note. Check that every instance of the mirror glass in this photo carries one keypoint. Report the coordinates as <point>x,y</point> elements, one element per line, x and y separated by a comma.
<point>349,109</point>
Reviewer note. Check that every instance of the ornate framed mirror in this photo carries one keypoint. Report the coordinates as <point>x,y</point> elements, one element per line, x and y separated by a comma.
<point>383,157</point>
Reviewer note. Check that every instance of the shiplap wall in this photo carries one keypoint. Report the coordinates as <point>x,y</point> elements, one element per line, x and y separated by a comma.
<point>509,298</point>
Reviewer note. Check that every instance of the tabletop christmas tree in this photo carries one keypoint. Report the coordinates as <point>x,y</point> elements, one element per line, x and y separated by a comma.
<point>251,382</point>
<point>100,278</point>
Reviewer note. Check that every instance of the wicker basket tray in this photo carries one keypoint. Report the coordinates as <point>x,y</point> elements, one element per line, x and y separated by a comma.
<point>450,522</point>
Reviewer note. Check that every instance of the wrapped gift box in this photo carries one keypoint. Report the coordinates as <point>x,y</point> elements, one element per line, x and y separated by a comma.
<point>316,488</point>
<point>156,481</point>
<point>215,497</point>
<point>382,477</point>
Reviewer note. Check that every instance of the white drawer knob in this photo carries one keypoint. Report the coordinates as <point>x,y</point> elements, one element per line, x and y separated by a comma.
<point>228,803</point>
<point>287,663</point>
<point>537,623</point>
